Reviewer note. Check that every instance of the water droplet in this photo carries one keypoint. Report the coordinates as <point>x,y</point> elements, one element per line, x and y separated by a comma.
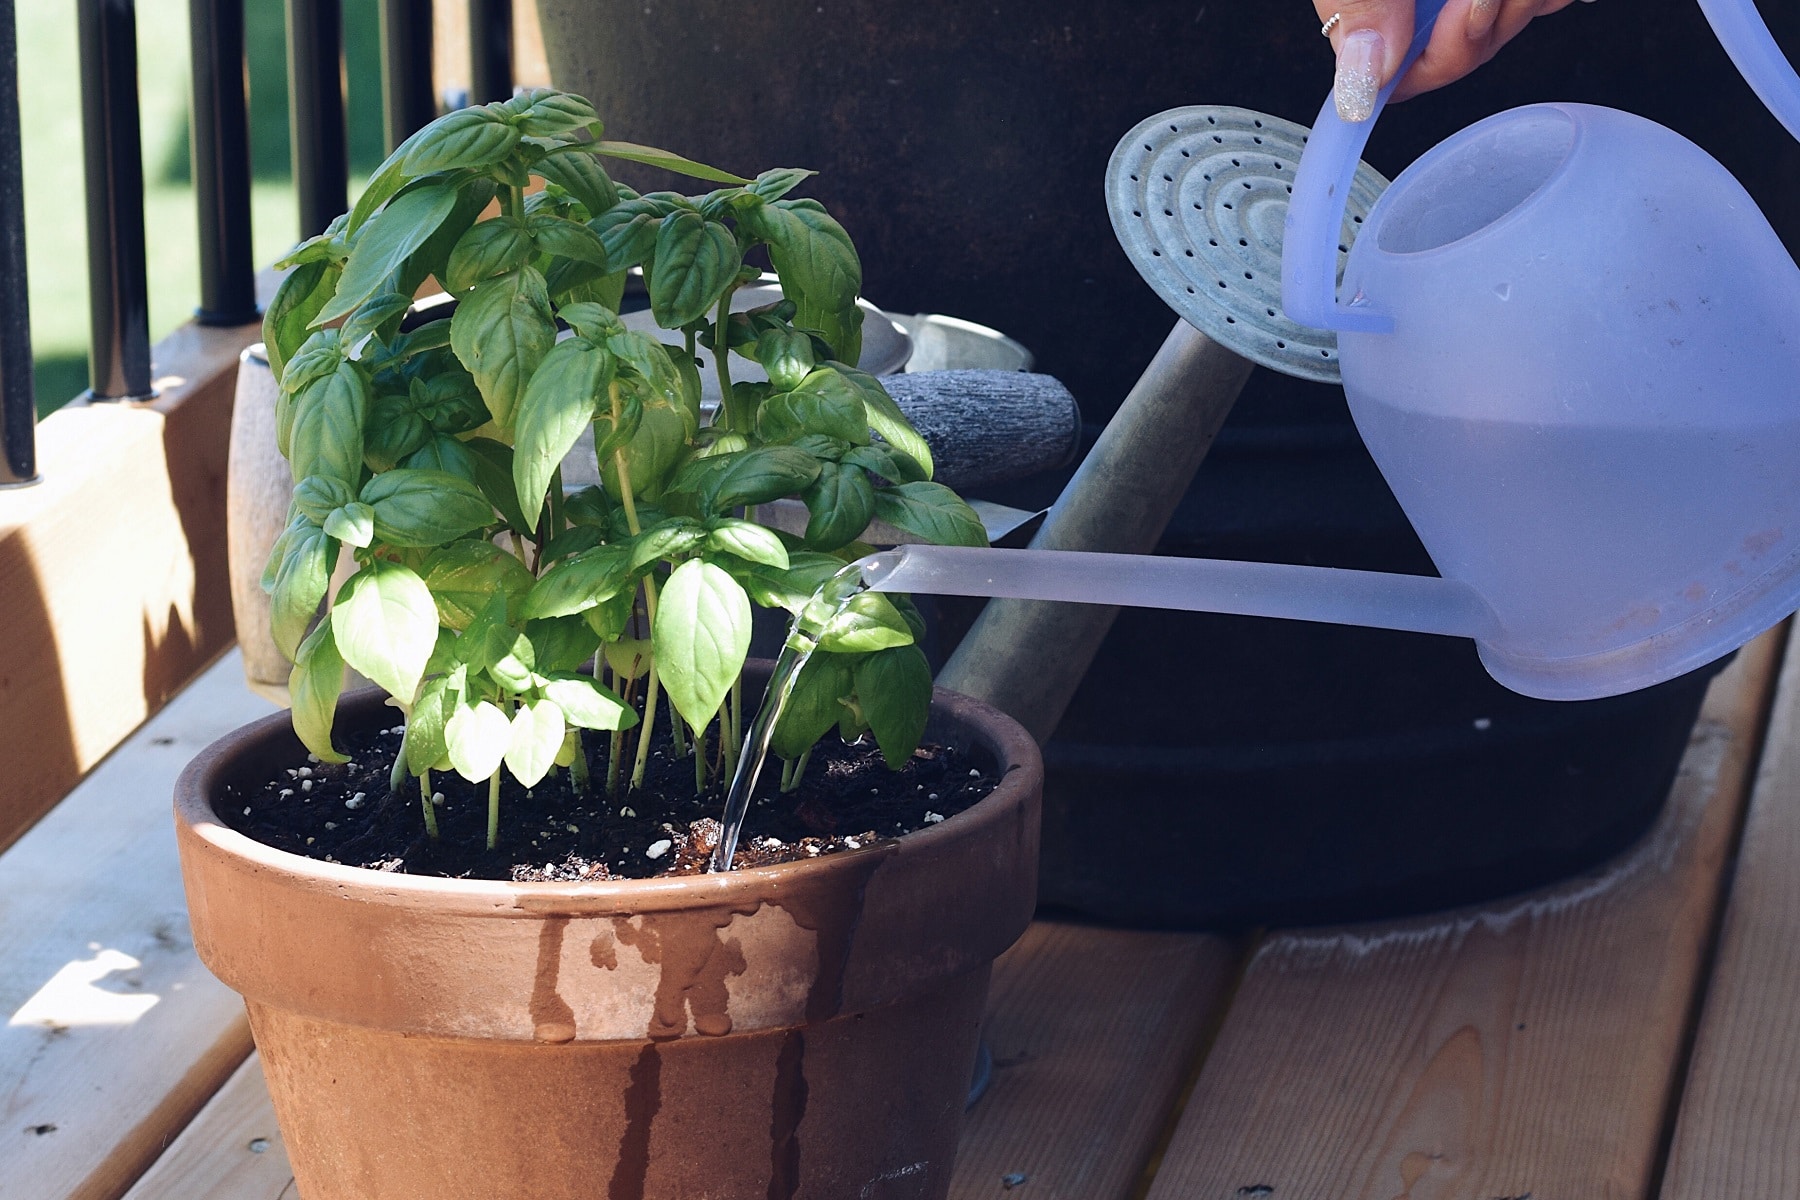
<point>1503,290</point>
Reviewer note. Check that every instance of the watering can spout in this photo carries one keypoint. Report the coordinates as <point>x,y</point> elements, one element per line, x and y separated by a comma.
<point>1416,603</point>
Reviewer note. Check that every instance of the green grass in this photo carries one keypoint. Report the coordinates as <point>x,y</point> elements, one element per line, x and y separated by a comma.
<point>50,112</point>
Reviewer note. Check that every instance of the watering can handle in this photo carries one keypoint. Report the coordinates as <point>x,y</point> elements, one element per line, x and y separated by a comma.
<point>1741,30</point>
<point>1322,180</point>
<point>1309,250</point>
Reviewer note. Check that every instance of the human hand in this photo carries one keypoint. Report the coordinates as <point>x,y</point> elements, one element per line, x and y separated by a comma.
<point>1370,38</point>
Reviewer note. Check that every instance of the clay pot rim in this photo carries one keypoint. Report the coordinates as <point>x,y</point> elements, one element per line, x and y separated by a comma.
<point>1016,754</point>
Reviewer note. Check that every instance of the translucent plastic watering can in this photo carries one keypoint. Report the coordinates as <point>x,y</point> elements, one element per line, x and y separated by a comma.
<point>1572,343</point>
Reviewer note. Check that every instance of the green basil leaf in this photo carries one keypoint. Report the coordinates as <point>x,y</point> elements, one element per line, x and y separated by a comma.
<point>480,136</point>
<point>353,524</point>
<point>757,477</point>
<point>592,321</point>
<point>300,584</point>
<point>677,535</point>
<point>537,734</point>
<point>464,576</point>
<point>611,616</point>
<point>568,239</point>
<point>587,705</point>
<point>629,658</point>
<point>652,157</point>
<point>387,626</point>
<point>791,589</point>
<point>313,688</point>
<point>869,622</point>
<point>303,292</point>
<point>561,643</point>
<point>425,508</point>
<point>824,403</point>
<point>318,356</point>
<point>388,179</point>
<point>572,540</point>
<point>432,258</point>
<point>425,743</point>
<point>318,496</point>
<point>818,268</point>
<point>546,112</point>
<point>448,398</point>
<point>893,689</point>
<point>297,526</point>
<point>700,638</point>
<point>628,235</point>
<point>395,430</point>
<point>696,260</point>
<point>886,419</point>
<point>327,426</point>
<point>656,445</point>
<point>476,738</point>
<point>492,247</point>
<point>385,244</point>
<point>839,505</point>
<point>747,540</point>
<point>433,335</point>
<point>932,512</point>
<point>589,506</point>
<point>777,182</point>
<point>558,404</point>
<point>886,462</point>
<point>581,581</point>
<point>494,476</point>
<point>786,354</point>
<point>441,452</point>
<point>576,171</point>
<point>815,705</point>
<point>378,310</point>
<point>501,332</point>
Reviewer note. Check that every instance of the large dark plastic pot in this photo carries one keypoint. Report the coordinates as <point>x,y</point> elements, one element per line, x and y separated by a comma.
<point>1228,771</point>
<point>964,145</point>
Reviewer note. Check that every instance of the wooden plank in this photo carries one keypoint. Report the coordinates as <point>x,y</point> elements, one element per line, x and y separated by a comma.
<point>114,1034</point>
<point>1094,1032</point>
<point>1526,1048</point>
<point>1738,1133</point>
<point>112,570</point>
<point>231,1151</point>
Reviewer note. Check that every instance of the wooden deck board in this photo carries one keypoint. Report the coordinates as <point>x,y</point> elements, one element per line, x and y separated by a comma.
<point>231,1151</point>
<point>1738,1135</point>
<point>115,1034</point>
<point>1524,1049</point>
<point>1094,1031</point>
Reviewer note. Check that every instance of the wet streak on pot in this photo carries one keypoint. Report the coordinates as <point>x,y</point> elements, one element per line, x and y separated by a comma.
<point>551,1017</point>
<point>643,1100</point>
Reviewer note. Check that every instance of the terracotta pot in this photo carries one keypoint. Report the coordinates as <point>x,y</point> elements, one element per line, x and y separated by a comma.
<point>805,1030</point>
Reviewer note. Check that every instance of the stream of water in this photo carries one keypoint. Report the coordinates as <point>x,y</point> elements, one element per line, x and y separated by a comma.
<point>1422,604</point>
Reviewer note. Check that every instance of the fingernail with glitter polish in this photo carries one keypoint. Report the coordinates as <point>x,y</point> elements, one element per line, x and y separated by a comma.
<point>1481,18</point>
<point>1358,75</point>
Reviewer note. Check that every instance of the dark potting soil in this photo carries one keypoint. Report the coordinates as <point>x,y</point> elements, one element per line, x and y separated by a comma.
<point>848,800</point>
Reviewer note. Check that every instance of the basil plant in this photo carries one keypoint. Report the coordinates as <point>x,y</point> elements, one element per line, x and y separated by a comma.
<point>481,587</point>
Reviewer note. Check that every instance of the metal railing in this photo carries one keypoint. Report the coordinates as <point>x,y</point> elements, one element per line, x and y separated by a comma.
<point>119,354</point>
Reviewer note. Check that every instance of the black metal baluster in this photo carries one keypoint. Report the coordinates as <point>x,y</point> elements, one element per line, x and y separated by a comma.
<point>490,50</point>
<point>118,293</point>
<point>18,413</point>
<point>221,157</point>
<point>315,43</point>
<point>408,100</point>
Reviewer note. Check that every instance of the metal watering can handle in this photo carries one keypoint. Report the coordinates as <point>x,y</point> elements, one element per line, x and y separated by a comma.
<point>1322,181</point>
<point>1309,248</point>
